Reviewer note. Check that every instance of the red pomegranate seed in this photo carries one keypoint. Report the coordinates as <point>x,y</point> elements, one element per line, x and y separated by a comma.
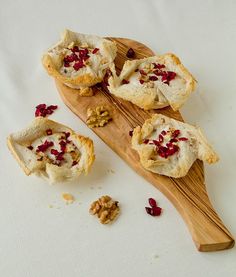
<point>75,49</point>
<point>142,72</point>
<point>63,145</point>
<point>136,70</point>
<point>148,210</point>
<point>169,144</point>
<point>125,81</point>
<point>156,142</point>
<point>163,132</point>
<point>67,134</point>
<point>173,140</point>
<point>153,78</point>
<point>131,133</point>
<point>49,132</point>
<point>41,106</point>
<point>152,202</point>
<point>54,152</point>
<point>60,156</point>
<point>78,65</point>
<point>43,110</point>
<point>146,141</point>
<point>84,54</point>
<point>157,73</point>
<point>176,133</point>
<point>130,53</point>
<point>52,107</point>
<point>43,147</point>
<point>30,147</point>
<point>74,163</point>
<point>159,66</point>
<point>66,64</point>
<point>161,138</point>
<point>182,139</point>
<point>141,81</point>
<point>156,211</point>
<point>95,50</point>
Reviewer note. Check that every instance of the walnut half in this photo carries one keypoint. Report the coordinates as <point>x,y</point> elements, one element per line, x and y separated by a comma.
<point>105,208</point>
<point>98,117</point>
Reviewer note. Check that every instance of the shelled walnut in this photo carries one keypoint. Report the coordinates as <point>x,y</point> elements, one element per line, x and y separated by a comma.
<point>105,208</point>
<point>98,117</point>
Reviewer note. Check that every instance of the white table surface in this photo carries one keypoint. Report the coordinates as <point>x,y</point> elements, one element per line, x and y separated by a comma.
<point>65,240</point>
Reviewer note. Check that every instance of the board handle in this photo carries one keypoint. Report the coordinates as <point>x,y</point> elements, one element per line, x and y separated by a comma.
<point>190,198</point>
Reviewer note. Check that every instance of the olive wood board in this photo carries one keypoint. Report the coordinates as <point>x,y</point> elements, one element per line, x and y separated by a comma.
<point>188,194</point>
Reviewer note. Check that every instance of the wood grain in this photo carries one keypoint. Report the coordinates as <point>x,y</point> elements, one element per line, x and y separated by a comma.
<point>187,194</point>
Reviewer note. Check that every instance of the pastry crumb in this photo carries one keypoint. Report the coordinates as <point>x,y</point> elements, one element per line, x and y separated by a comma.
<point>69,198</point>
<point>86,91</point>
<point>105,208</point>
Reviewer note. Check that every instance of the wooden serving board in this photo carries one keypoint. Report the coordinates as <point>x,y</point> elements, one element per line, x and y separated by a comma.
<point>187,194</point>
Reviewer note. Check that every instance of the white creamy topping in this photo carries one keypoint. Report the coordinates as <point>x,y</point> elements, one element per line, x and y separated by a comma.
<point>71,149</point>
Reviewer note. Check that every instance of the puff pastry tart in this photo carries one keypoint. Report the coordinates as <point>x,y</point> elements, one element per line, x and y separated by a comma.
<point>154,82</point>
<point>51,150</point>
<point>169,147</point>
<point>78,60</point>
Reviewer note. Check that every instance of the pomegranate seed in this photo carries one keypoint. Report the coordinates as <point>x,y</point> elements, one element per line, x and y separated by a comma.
<point>153,78</point>
<point>152,202</point>
<point>52,107</point>
<point>95,50</point>
<point>148,210</point>
<point>63,145</point>
<point>163,132</point>
<point>78,65</point>
<point>157,73</point>
<point>156,142</point>
<point>67,134</point>
<point>66,64</point>
<point>54,152</point>
<point>161,138</point>
<point>30,147</point>
<point>125,81</point>
<point>159,66</point>
<point>176,133</point>
<point>43,110</point>
<point>43,147</point>
<point>156,211</point>
<point>49,132</point>
<point>142,72</point>
<point>182,139</point>
<point>173,140</point>
<point>74,163</point>
<point>131,133</point>
<point>136,70</point>
<point>60,156</point>
<point>141,81</point>
<point>83,54</point>
<point>75,49</point>
<point>130,53</point>
<point>146,141</point>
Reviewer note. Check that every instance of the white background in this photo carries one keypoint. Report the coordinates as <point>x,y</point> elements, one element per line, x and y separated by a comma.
<point>65,240</point>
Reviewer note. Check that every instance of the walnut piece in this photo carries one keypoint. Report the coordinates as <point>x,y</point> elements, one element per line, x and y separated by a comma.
<point>105,208</point>
<point>98,117</point>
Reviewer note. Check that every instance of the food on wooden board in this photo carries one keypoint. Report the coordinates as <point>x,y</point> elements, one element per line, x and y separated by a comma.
<point>170,147</point>
<point>79,61</point>
<point>153,82</point>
